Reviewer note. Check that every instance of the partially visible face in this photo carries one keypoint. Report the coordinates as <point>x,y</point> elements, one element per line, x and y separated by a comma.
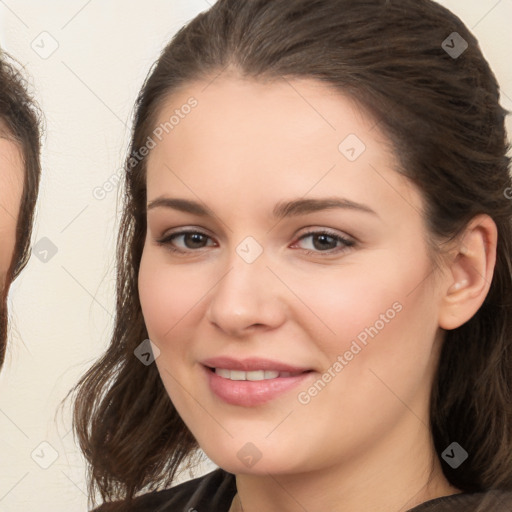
<point>274,253</point>
<point>11,189</point>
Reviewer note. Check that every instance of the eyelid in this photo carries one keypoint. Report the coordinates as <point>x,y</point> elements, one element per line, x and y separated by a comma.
<point>166,239</point>
<point>317,230</point>
<point>346,240</point>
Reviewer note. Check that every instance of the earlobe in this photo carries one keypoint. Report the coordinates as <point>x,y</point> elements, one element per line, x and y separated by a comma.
<point>468,278</point>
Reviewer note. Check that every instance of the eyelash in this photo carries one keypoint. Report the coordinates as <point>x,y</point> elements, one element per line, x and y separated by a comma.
<point>166,241</point>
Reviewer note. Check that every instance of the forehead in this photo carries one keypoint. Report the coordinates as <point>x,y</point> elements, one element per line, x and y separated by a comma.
<point>279,121</point>
<point>299,107</point>
<point>287,137</point>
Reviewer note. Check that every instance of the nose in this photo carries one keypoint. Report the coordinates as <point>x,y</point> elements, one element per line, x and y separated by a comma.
<point>247,298</point>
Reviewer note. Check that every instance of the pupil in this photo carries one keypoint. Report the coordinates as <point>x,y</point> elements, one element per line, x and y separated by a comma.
<point>325,242</point>
<point>196,240</point>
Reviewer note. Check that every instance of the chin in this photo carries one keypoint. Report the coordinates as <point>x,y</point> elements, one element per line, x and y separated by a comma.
<point>248,458</point>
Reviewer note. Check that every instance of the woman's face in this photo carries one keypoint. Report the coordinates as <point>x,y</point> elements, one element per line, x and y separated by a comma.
<point>11,188</point>
<point>283,245</point>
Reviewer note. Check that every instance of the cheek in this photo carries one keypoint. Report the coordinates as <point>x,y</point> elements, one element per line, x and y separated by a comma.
<point>7,243</point>
<point>11,189</point>
<point>384,326</point>
<point>348,300</point>
<point>169,294</point>
<point>374,313</point>
<point>8,223</point>
<point>382,297</point>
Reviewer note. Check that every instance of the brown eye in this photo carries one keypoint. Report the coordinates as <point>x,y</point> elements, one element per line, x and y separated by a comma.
<point>194,240</point>
<point>320,241</point>
<point>185,240</point>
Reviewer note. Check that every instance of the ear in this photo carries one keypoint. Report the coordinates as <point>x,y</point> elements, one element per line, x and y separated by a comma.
<point>469,274</point>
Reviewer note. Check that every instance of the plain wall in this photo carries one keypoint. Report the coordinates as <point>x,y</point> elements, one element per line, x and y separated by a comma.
<point>87,60</point>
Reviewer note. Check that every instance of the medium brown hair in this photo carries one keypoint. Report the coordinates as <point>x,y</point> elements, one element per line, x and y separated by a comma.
<point>20,122</point>
<point>443,117</point>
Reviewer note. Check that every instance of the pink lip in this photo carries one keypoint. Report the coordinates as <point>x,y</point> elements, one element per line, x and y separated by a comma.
<point>251,393</point>
<point>251,364</point>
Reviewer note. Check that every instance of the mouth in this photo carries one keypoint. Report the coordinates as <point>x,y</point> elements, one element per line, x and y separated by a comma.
<point>254,375</point>
<point>251,382</point>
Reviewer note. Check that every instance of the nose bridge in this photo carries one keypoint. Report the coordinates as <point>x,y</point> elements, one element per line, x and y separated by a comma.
<point>246,295</point>
<point>247,263</point>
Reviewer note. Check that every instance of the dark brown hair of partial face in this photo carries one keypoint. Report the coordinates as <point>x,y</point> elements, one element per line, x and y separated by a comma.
<point>19,122</point>
<point>444,120</point>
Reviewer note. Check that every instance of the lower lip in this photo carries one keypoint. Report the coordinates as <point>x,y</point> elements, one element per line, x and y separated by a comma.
<point>248,393</point>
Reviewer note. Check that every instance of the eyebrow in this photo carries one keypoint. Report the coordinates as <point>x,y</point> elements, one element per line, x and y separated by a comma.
<point>281,210</point>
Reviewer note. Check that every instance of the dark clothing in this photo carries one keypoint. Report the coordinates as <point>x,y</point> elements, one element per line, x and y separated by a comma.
<point>215,491</point>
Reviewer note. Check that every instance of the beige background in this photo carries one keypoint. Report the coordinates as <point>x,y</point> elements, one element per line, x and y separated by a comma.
<point>87,61</point>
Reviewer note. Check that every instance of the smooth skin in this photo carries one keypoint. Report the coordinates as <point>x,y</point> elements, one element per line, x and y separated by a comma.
<point>11,189</point>
<point>363,442</point>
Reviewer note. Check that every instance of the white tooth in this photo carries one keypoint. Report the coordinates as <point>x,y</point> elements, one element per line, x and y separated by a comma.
<point>238,375</point>
<point>256,375</point>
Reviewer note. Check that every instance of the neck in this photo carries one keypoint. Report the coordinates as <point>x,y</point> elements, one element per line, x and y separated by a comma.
<point>386,481</point>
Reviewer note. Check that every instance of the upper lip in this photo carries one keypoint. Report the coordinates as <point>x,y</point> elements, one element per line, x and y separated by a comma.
<point>251,364</point>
